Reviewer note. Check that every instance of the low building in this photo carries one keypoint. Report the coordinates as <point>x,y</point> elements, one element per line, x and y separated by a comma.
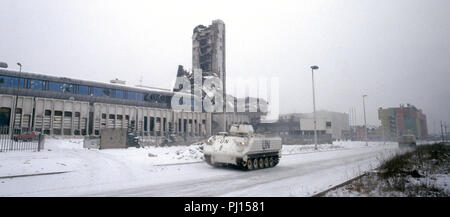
<point>334,123</point>
<point>70,107</point>
<point>290,133</point>
<point>298,128</point>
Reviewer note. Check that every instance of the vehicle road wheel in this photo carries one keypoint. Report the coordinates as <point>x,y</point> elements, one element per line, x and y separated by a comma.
<point>249,164</point>
<point>261,163</point>
<point>266,162</point>
<point>276,160</point>
<point>271,162</point>
<point>255,163</point>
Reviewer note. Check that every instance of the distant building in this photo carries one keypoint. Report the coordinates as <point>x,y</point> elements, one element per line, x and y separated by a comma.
<point>334,123</point>
<point>402,120</point>
<point>373,133</point>
<point>298,128</point>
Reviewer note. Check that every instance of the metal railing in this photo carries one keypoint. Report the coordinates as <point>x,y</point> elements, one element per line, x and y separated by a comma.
<point>20,140</point>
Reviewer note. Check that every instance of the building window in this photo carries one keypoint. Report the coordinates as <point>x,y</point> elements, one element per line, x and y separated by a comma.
<point>139,96</point>
<point>84,90</point>
<point>145,123</point>
<point>54,86</point>
<point>36,84</point>
<point>97,91</point>
<point>107,92</point>
<point>3,81</point>
<point>120,94</point>
<point>131,95</point>
<point>328,124</point>
<point>67,88</point>
<point>8,81</point>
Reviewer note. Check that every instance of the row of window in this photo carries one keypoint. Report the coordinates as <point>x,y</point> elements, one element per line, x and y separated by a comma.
<point>9,81</point>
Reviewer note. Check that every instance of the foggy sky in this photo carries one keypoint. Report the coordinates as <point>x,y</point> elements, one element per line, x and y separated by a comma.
<point>393,51</point>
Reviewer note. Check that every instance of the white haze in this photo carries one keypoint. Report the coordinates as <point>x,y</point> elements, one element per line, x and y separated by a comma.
<point>393,51</point>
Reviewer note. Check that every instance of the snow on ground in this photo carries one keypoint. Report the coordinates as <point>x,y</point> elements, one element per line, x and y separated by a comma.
<point>96,171</point>
<point>436,182</point>
<point>61,155</point>
<point>295,149</point>
<point>422,172</point>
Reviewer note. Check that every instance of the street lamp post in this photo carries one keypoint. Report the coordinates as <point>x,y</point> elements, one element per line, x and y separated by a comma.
<point>13,121</point>
<point>314,107</point>
<point>365,123</point>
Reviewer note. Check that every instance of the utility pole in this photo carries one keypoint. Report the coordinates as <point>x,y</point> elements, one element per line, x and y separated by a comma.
<point>383,129</point>
<point>444,131</point>
<point>314,107</point>
<point>350,122</point>
<point>13,120</point>
<point>354,122</point>
<point>365,123</point>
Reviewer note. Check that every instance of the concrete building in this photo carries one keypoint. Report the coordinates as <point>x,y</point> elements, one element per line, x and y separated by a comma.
<point>334,123</point>
<point>61,106</point>
<point>298,128</point>
<point>208,55</point>
<point>208,51</point>
<point>290,133</point>
<point>403,120</point>
<point>70,107</point>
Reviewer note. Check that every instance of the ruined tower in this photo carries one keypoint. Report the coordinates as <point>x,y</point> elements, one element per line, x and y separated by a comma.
<point>208,50</point>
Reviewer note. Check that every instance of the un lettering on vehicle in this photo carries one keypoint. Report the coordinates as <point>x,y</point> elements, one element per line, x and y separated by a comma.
<point>265,144</point>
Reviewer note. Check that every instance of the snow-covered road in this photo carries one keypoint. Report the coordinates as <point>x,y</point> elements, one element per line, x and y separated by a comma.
<point>136,172</point>
<point>296,175</point>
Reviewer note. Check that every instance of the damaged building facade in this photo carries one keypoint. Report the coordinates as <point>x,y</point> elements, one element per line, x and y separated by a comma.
<point>209,59</point>
<point>60,106</point>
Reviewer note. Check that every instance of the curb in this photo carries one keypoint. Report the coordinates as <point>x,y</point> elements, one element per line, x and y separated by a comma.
<point>321,194</point>
<point>174,164</point>
<point>37,174</point>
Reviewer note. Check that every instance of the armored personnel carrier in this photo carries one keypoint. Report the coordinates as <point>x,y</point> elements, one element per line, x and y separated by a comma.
<point>243,148</point>
<point>407,141</point>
